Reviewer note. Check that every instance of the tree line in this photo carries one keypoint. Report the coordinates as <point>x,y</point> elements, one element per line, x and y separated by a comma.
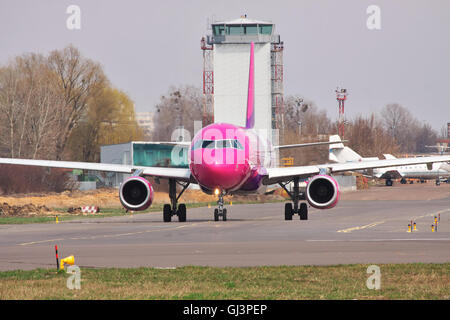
<point>59,106</point>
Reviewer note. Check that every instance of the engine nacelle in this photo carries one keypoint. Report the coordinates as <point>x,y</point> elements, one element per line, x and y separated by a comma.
<point>136,193</point>
<point>322,192</point>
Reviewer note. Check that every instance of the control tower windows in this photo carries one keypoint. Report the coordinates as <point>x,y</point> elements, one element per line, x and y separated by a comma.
<point>219,30</point>
<point>250,29</point>
<point>265,29</point>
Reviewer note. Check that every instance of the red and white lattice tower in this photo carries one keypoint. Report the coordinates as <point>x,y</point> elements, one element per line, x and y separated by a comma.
<point>341,96</point>
<point>276,64</point>
<point>208,82</point>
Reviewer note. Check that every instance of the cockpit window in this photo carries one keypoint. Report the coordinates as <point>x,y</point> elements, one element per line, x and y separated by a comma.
<point>218,144</point>
<point>208,144</point>
<point>237,145</point>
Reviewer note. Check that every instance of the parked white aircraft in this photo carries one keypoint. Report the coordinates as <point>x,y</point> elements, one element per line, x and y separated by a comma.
<point>342,154</point>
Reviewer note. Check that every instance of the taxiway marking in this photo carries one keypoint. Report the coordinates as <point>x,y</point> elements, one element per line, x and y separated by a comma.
<point>362,227</point>
<point>111,235</point>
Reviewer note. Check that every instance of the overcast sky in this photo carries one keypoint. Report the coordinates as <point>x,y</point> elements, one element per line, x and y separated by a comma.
<point>147,46</point>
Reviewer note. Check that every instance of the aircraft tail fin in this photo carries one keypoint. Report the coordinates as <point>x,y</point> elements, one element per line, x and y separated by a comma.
<point>250,121</point>
<point>389,156</point>
<point>338,144</point>
<point>341,154</point>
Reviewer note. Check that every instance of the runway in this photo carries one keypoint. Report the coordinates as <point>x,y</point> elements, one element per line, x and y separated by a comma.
<point>255,234</point>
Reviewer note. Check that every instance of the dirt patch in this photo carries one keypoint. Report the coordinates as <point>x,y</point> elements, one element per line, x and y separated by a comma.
<point>109,198</point>
<point>24,210</point>
<point>101,198</point>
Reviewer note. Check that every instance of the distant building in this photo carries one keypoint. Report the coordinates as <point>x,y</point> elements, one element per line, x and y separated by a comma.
<point>145,121</point>
<point>151,154</point>
<point>443,143</point>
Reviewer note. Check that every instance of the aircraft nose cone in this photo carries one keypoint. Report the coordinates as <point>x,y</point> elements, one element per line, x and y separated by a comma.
<point>222,176</point>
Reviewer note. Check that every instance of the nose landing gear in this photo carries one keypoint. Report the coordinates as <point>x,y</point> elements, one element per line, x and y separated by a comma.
<point>220,211</point>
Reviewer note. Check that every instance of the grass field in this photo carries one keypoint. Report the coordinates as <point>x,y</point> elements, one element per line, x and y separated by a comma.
<point>398,281</point>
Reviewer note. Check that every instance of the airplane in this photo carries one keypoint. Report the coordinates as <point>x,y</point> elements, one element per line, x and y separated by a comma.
<point>342,154</point>
<point>229,159</point>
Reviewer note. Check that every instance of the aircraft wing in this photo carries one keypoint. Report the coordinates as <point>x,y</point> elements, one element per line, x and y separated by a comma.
<point>310,144</point>
<point>174,143</point>
<point>275,175</point>
<point>182,174</point>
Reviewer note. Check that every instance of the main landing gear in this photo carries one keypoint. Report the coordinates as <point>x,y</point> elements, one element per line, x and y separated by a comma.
<point>175,209</point>
<point>293,208</point>
<point>220,211</point>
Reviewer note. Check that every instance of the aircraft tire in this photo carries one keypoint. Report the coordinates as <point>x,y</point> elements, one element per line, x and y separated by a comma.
<point>167,213</point>
<point>182,212</point>
<point>303,211</point>
<point>288,211</point>
<point>216,214</point>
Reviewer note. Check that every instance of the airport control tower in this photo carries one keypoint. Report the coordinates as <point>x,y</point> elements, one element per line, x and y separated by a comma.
<point>226,54</point>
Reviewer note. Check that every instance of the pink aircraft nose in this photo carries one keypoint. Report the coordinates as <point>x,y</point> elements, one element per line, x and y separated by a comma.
<point>221,176</point>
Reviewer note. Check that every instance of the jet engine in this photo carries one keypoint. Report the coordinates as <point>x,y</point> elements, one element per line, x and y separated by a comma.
<point>322,192</point>
<point>136,193</point>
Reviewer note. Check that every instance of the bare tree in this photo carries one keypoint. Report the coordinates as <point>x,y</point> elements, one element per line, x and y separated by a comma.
<point>368,137</point>
<point>42,100</point>
<point>401,125</point>
<point>78,79</point>
<point>180,107</point>
<point>425,136</point>
<point>304,122</point>
<point>303,115</point>
<point>10,107</point>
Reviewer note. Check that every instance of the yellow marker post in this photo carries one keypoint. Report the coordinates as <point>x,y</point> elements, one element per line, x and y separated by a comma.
<point>414,227</point>
<point>231,203</point>
<point>68,260</point>
<point>56,219</point>
<point>209,205</point>
<point>432,228</point>
<point>409,228</point>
